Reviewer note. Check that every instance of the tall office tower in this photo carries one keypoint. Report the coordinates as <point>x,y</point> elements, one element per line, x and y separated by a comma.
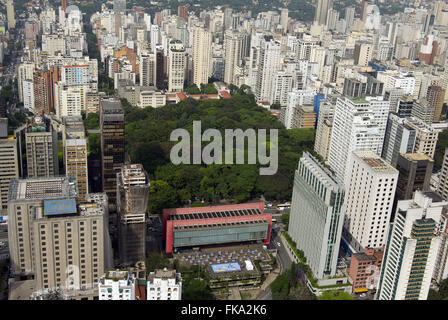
<point>371,184</point>
<point>281,86</point>
<point>148,69</point>
<point>363,53</point>
<point>415,171</point>
<point>269,64</point>
<point>317,215</point>
<point>112,144</point>
<point>117,285</point>
<point>322,8</point>
<point>435,97</point>
<point>412,247</point>
<point>44,90</point>
<point>364,5</point>
<point>233,45</point>
<point>132,205</point>
<point>41,149</point>
<point>9,162</point>
<point>164,285</point>
<point>120,7</point>
<point>75,153</point>
<point>350,17</point>
<point>10,14</point>
<point>426,138</point>
<point>323,129</point>
<point>399,138</point>
<point>284,19</point>
<point>176,66</point>
<point>359,124</point>
<point>202,42</point>
<point>296,98</point>
<point>404,106</point>
<point>54,240</point>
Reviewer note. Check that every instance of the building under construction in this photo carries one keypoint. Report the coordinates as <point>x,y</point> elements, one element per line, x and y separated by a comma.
<point>132,202</point>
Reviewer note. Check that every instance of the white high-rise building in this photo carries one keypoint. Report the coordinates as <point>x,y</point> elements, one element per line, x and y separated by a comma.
<point>147,69</point>
<point>164,285</point>
<point>370,185</point>
<point>359,124</point>
<point>28,95</point>
<point>116,285</point>
<point>269,63</point>
<point>321,11</point>
<point>284,18</point>
<point>10,14</point>
<point>412,247</point>
<point>202,43</point>
<point>317,215</point>
<point>25,71</point>
<point>233,42</point>
<point>281,86</point>
<point>176,66</point>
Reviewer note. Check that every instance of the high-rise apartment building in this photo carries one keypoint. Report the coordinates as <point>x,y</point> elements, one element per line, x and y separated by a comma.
<point>75,153</point>
<point>284,18</point>
<point>412,247</point>
<point>363,53</point>
<point>164,285</point>
<point>359,124</point>
<point>322,8</point>
<point>10,14</point>
<point>442,187</point>
<point>269,64</point>
<point>148,69</point>
<point>415,170</point>
<point>371,184</point>
<point>423,110</point>
<point>202,41</point>
<point>176,66</point>
<point>41,148</point>
<point>112,144</point>
<point>132,205</point>
<point>399,138</point>
<point>233,46</point>
<point>317,216</point>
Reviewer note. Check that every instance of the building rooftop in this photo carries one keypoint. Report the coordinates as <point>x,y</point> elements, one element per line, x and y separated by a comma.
<point>43,188</point>
<point>162,274</point>
<point>374,161</point>
<point>417,156</point>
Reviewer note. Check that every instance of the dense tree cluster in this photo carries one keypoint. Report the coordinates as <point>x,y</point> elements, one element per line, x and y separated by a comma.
<point>148,142</point>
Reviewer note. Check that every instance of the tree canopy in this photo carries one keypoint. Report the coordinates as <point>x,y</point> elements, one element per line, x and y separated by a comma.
<point>148,142</point>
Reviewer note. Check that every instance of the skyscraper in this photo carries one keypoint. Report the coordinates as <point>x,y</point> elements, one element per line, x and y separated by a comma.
<point>176,66</point>
<point>269,58</point>
<point>435,97</point>
<point>132,205</point>
<point>201,55</point>
<point>359,124</point>
<point>321,11</point>
<point>324,128</point>
<point>371,184</point>
<point>10,14</point>
<point>112,144</point>
<point>412,246</point>
<point>233,43</point>
<point>41,148</point>
<point>75,153</point>
<point>317,215</point>
<point>284,18</point>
